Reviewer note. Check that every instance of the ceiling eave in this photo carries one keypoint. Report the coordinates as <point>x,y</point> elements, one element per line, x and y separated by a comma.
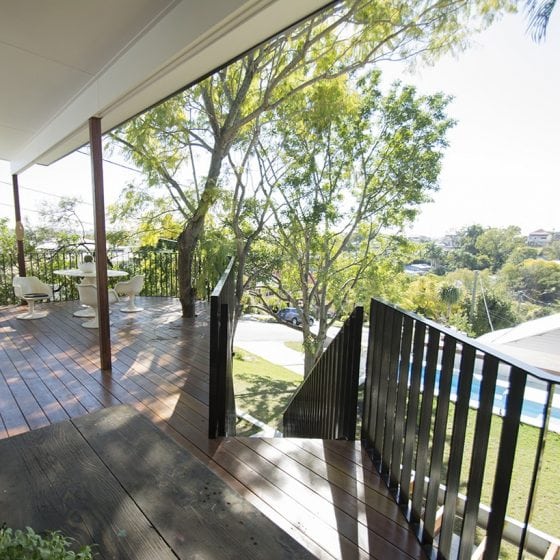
<point>186,44</point>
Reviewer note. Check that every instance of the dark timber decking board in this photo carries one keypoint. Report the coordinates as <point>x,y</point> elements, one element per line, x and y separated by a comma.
<point>324,494</point>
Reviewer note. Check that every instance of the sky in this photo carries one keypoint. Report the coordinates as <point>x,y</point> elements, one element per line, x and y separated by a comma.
<point>502,166</point>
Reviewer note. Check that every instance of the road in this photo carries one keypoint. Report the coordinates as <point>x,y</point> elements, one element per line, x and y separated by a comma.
<point>267,340</point>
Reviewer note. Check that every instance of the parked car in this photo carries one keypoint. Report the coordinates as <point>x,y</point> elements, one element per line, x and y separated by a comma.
<point>293,315</point>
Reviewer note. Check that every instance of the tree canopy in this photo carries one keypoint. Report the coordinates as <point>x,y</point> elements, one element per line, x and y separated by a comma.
<point>225,113</point>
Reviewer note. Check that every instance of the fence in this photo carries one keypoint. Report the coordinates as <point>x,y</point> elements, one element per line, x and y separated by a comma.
<point>443,414</point>
<point>325,404</point>
<point>221,407</point>
<point>158,267</point>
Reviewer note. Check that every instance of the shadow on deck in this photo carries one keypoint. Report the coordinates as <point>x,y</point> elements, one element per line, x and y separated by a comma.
<point>325,494</point>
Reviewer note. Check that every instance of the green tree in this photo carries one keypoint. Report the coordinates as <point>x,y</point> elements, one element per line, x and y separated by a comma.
<point>466,254</point>
<point>495,245</point>
<point>492,312</point>
<point>201,126</point>
<point>450,294</point>
<point>536,280</point>
<point>522,253</point>
<point>423,297</point>
<point>356,161</point>
<point>550,252</point>
<point>539,12</point>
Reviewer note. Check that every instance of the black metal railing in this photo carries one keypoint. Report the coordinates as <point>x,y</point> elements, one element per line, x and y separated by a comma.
<point>439,411</point>
<point>325,404</point>
<point>158,267</point>
<point>222,414</point>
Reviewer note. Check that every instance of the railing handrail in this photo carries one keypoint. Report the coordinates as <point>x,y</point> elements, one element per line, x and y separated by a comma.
<point>330,389</point>
<point>221,402</point>
<point>534,371</point>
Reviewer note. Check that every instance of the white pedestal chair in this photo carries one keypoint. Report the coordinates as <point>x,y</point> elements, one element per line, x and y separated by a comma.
<point>32,290</point>
<point>88,296</point>
<point>131,288</point>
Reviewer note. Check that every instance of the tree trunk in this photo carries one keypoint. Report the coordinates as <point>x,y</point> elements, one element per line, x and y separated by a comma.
<point>187,242</point>
<point>189,237</point>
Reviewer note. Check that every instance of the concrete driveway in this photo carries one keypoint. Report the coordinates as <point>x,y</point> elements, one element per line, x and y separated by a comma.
<point>266,339</point>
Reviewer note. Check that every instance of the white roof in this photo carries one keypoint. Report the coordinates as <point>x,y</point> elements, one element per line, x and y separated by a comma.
<point>535,342</point>
<point>64,61</point>
<point>535,327</point>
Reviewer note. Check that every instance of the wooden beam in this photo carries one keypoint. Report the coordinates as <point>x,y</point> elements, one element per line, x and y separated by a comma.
<point>100,242</point>
<point>19,228</point>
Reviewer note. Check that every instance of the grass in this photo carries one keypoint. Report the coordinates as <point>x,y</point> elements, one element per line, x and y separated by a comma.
<point>294,345</point>
<point>262,389</point>
<point>546,510</point>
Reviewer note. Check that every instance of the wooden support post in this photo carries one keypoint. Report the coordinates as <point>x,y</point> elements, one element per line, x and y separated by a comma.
<point>100,242</point>
<point>19,228</point>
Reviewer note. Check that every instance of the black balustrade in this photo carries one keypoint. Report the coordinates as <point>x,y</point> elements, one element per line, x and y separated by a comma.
<point>325,404</point>
<point>437,407</point>
<point>222,413</point>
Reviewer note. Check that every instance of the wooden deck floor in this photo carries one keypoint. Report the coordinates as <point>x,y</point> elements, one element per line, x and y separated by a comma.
<point>324,493</point>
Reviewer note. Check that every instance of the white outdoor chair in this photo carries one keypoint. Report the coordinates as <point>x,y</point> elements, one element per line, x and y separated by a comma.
<point>88,296</point>
<point>131,288</point>
<point>32,290</point>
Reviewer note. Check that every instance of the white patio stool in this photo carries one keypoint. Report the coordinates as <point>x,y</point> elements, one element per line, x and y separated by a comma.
<point>32,290</point>
<point>88,296</point>
<point>131,288</point>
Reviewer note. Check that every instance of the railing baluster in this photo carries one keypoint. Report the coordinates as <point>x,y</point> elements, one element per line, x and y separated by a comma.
<point>460,420</point>
<point>392,375</point>
<point>480,449</point>
<point>538,463</point>
<point>422,455</point>
<point>221,405</point>
<point>440,432</point>
<point>383,388</point>
<point>412,411</point>
<point>400,414</point>
<point>504,468</point>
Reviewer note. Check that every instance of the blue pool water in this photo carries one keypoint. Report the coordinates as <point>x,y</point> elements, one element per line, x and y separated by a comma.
<point>533,408</point>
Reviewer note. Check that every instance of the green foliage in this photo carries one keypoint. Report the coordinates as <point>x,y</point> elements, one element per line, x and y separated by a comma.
<point>229,114</point>
<point>500,309</point>
<point>496,245</point>
<point>28,545</point>
<point>536,280</point>
<point>355,161</point>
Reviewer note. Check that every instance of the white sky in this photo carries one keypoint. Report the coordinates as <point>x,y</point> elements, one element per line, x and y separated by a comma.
<point>503,164</point>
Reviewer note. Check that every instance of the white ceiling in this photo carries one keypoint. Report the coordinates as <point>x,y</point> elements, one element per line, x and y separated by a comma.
<point>64,61</point>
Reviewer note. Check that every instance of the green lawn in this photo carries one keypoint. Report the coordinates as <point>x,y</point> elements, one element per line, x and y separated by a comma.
<point>262,389</point>
<point>294,345</point>
<point>546,510</point>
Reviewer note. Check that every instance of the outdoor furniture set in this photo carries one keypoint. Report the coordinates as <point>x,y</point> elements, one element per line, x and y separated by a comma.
<point>33,290</point>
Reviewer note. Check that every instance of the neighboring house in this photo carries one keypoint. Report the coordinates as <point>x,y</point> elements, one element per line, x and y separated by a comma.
<point>536,342</point>
<point>539,238</point>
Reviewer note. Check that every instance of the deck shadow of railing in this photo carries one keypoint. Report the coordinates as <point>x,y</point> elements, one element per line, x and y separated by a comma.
<point>325,404</point>
<point>430,392</point>
<point>222,416</point>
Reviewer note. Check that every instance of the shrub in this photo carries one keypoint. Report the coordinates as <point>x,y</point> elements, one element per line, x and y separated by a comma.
<point>28,545</point>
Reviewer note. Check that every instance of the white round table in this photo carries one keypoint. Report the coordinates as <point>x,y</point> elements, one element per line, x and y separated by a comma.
<point>88,278</point>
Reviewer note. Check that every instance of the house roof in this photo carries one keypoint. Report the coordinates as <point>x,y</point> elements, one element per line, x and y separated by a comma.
<point>64,61</point>
<point>535,342</point>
